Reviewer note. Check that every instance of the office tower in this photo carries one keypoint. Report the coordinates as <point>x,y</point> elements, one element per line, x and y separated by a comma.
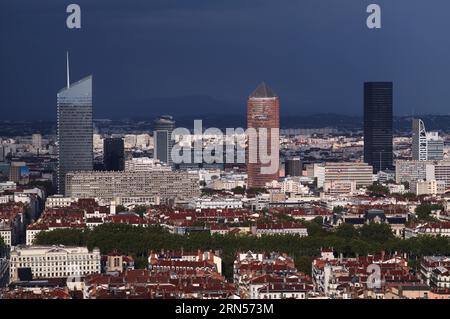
<point>419,141</point>
<point>435,147</point>
<point>113,154</point>
<point>426,146</point>
<point>293,167</point>
<point>162,136</point>
<point>263,112</point>
<point>75,129</point>
<point>378,117</point>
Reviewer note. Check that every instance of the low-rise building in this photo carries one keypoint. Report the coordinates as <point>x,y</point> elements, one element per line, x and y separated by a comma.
<point>54,261</point>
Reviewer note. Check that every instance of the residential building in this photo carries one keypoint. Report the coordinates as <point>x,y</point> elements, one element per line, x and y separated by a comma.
<point>137,187</point>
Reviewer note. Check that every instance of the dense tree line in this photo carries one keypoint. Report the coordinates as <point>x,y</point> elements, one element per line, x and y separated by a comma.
<point>424,210</point>
<point>346,240</point>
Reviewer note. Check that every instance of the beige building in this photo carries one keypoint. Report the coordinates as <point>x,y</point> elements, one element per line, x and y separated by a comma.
<point>339,187</point>
<point>54,261</point>
<point>126,186</point>
<point>431,187</point>
<point>360,173</point>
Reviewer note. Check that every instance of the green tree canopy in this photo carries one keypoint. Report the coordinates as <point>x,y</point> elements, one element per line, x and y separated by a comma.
<point>376,233</point>
<point>347,231</point>
<point>138,241</point>
<point>423,211</point>
<point>140,210</point>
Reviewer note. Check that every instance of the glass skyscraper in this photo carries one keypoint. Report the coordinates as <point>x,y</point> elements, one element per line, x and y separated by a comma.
<point>113,154</point>
<point>162,136</point>
<point>75,129</point>
<point>378,122</point>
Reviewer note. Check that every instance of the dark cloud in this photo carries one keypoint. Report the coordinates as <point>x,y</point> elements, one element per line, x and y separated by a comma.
<point>148,55</point>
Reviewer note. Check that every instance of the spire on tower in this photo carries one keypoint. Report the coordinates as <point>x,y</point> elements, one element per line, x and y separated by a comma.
<point>68,70</point>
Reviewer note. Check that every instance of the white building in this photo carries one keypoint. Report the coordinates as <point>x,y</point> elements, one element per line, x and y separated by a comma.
<point>316,171</point>
<point>431,187</point>
<point>280,229</point>
<point>8,185</point>
<point>339,187</point>
<point>59,201</point>
<point>6,234</point>
<point>360,173</point>
<point>130,186</point>
<point>54,261</point>
<point>145,164</point>
<point>218,203</point>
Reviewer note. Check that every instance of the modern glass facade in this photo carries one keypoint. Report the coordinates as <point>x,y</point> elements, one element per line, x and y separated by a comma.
<point>75,130</point>
<point>162,135</point>
<point>113,154</point>
<point>378,121</point>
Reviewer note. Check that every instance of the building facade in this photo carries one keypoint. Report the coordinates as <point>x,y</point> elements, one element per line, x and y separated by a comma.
<point>263,112</point>
<point>74,129</point>
<point>158,185</point>
<point>360,173</point>
<point>426,146</point>
<point>378,121</point>
<point>54,261</point>
<point>419,141</point>
<point>293,167</point>
<point>163,143</point>
<point>113,154</point>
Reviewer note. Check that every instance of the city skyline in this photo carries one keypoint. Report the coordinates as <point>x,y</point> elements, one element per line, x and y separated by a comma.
<point>151,76</point>
<point>230,156</point>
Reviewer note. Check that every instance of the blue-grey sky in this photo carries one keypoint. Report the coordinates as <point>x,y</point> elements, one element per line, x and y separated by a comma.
<point>206,56</point>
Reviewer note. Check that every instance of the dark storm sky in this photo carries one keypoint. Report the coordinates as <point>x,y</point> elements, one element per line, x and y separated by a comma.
<point>206,56</point>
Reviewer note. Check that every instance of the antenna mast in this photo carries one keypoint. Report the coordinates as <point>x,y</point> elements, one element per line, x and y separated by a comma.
<point>68,70</point>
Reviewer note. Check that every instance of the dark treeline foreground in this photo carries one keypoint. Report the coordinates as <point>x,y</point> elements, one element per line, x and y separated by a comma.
<point>138,241</point>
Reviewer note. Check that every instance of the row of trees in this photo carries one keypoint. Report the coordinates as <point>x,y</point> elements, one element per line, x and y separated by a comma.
<point>346,240</point>
<point>424,210</point>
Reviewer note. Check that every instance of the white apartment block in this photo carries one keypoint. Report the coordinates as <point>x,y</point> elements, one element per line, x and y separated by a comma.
<point>59,201</point>
<point>289,185</point>
<point>431,187</point>
<point>6,234</point>
<point>218,203</point>
<point>410,171</point>
<point>339,187</point>
<point>413,171</point>
<point>54,261</point>
<point>145,164</point>
<point>316,171</point>
<point>151,185</point>
<point>360,173</point>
